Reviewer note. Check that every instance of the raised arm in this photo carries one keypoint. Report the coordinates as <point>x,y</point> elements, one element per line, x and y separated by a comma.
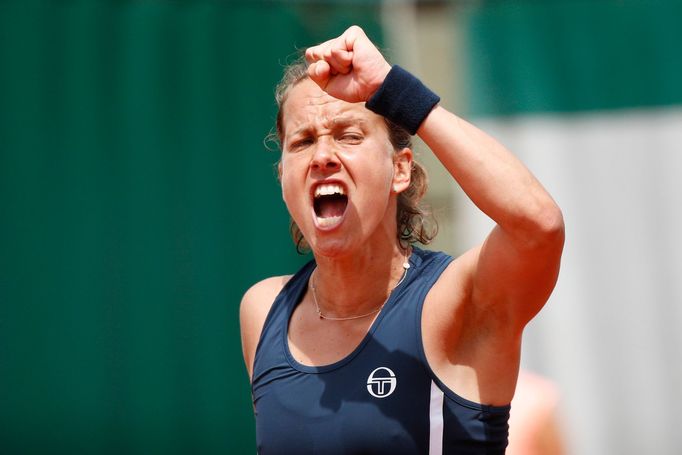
<point>516,268</point>
<point>518,264</point>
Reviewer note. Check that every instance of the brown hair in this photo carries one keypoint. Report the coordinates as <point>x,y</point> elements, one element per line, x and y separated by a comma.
<point>415,223</point>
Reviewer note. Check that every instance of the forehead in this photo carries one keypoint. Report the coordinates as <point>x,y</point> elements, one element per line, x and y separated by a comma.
<point>307,105</point>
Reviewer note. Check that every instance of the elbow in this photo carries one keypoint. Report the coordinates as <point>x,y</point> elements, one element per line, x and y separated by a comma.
<point>549,228</point>
<point>540,229</point>
<point>538,226</point>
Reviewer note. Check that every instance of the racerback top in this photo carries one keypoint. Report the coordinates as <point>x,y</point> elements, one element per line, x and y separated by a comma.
<point>382,398</point>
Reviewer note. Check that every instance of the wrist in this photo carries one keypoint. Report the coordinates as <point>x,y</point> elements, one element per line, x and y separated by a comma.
<point>380,77</point>
<point>403,99</point>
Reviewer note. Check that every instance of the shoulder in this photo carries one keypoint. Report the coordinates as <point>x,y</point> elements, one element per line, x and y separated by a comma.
<point>253,311</point>
<point>263,293</point>
<point>258,299</point>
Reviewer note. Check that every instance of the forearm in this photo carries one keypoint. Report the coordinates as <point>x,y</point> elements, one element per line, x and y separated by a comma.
<point>493,178</point>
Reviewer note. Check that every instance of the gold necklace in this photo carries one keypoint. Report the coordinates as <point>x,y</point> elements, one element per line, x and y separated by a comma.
<point>406,265</point>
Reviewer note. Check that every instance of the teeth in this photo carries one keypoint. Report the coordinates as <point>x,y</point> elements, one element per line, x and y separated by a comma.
<point>328,189</point>
<point>326,222</point>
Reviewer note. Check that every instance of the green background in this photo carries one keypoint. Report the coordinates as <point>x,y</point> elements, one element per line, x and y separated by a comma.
<point>137,204</point>
<point>536,56</point>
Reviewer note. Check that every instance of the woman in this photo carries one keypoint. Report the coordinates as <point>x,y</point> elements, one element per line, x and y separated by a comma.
<point>377,346</point>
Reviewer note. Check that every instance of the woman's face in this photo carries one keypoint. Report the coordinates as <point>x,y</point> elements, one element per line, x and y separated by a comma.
<point>340,175</point>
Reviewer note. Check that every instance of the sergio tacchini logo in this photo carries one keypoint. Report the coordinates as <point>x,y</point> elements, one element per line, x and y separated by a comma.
<point>381,382</point>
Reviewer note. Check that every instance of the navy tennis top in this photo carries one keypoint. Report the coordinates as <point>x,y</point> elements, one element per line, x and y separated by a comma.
<point>382,398</point>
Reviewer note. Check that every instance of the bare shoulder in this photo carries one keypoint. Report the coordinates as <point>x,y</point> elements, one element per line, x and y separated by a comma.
<point>253,310</point>
<point>263,293</point>
<point>257,301</point>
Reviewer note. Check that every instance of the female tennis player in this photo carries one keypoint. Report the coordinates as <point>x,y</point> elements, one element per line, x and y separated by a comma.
<point>378,346</point>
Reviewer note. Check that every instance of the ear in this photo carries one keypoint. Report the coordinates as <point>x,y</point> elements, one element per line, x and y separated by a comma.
<point>402,170</point>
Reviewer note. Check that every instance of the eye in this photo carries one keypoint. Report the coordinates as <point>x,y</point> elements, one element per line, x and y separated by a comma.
<point>301,143</point>
<point>351,138</point>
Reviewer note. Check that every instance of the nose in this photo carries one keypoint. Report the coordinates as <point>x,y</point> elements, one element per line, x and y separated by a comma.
<point>325,158</point>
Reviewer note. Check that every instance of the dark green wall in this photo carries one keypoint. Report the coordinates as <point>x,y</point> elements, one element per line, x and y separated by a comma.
<point>571,55</point>
<point>137,204</point>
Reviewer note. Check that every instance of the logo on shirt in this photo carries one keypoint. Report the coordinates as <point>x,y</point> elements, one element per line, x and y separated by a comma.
<point>381,382</point>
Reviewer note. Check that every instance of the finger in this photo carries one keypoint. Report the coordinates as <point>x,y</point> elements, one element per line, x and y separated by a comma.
<point>334,53</point>
<point>320,72</point>
<point>315,53</point>
<point>338,65</point>
<point>352,34</point>
<point>341,60</point>
<point>311,55</point>
<point>344,42</point>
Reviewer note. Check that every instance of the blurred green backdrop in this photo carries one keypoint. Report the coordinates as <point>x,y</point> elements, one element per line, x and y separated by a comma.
<point>137,204</point>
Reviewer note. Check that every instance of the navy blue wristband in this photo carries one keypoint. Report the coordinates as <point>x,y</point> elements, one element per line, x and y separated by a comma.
<point>403,99</point>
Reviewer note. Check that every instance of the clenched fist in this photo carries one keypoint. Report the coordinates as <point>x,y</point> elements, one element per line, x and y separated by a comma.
<point>349,67</point>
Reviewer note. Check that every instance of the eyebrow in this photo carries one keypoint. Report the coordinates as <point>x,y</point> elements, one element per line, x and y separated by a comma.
<point>303,129</point>
<point>337,122</point>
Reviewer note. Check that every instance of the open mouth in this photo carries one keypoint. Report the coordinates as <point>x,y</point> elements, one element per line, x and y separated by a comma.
<point>329,202</point>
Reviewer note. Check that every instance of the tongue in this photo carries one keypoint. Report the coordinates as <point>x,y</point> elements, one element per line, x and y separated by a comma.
<point>332,206</point>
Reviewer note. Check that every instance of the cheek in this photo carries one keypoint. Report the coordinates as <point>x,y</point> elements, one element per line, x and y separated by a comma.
<point>285,183</point>
<point>290,190</point>
<point>378,170</point>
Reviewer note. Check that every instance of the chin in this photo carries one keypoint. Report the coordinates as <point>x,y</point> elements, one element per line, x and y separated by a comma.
<point>331,248</point>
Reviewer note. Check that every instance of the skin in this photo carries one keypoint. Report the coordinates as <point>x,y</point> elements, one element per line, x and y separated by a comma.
<point>474,315</point>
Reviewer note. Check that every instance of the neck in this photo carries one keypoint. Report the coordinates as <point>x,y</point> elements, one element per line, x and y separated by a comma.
<point>357,284</point>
